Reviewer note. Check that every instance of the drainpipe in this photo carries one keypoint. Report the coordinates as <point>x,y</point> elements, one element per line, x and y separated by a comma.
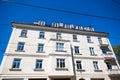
<point>73,62</point>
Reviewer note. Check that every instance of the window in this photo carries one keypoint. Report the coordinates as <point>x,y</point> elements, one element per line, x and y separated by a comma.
<point>60,63</point>
<point>58,36</point>
<point>95,64</point>
<point>109,65</point>
<point>89,39</point>
<point>76,49</point>
<point>104,51</point>
<point>20,46</point>
<point>100,40</point>
<point>74,37</point>
<point>42,35</point>
<point>60,46</point>
<point>16,63</point>
<point>79,66</point>
<point>38,64</point>
<point>23,33</point>
<point>40,47</point>
<point>91,50</point>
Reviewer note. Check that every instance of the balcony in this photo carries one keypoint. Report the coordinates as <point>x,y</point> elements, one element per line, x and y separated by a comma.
<point>114,72</point>
<point>105,46</point>
<point>108,56</point>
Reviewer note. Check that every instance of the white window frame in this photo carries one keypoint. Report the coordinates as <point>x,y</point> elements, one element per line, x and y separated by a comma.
<point>60,63</point>
<point>59,46</point>
<point>16,63</point>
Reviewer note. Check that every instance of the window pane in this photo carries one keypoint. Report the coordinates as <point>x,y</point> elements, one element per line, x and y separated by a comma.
<point>100,40</point>
<point>91,50</point>
<point>76,49</point>
<point>58,36</point>
<point>40,47</point>
<point>74,37</point>
<point>42,34</point>
<point>16,63</point>
<point>23,33</point>
<point>38,64</point>
<point>60,46</point>
<point>95,65</point>
<point>20,46</point>
<point>60,63</point>
<point>79,66</point>
<point>88,39</point>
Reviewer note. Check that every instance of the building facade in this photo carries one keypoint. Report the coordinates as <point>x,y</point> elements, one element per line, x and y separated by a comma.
<point>58,52</point>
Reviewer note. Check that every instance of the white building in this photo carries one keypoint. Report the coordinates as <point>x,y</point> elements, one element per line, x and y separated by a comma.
<point>58,52</point>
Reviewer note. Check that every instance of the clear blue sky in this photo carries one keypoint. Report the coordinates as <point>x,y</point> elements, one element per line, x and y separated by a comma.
<point>10,12</point>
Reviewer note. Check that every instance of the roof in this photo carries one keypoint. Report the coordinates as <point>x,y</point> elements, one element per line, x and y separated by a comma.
<point>58,29</point>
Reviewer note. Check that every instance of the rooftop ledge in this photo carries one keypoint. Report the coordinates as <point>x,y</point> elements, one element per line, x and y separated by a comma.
<point>59,29</point>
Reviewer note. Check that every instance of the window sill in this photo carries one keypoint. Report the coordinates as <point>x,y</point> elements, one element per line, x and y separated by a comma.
<point>60,51</point>
<point>98,70</point>
<point>90,42</point>
<point>38,69</point>
<point>81,70</point>
<point>23,36</point>
<point>93,54</point>
<point>60,40</point>
<point>42,38</point>
<point>20,50</point>
<point>15,69</point>
<point>40,52</point>
<point>78,54</point>
<point>63,69</point>
<point>76,41</point>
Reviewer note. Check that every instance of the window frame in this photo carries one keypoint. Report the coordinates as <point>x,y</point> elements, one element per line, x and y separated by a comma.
<point>58,36</point>
<point>78,65</point>
<point>75,37</point>
<point>89,40</point>
<point>23,33</point>
<point>60,63</point>
<point>42,35</point>
<point>16,63</point>
<point>76,50</point>
<point>40,47</point>
<point>59,46</point>
<point>20,46</point>
<point>91,49</point>
<point>39,64</point>
<point>100,40</point>
<point>95,65</point>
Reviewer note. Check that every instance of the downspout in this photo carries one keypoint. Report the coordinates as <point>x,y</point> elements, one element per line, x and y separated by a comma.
<point>73,62</point>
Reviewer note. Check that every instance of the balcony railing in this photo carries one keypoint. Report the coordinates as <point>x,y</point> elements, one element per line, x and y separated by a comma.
<point>114,71</point>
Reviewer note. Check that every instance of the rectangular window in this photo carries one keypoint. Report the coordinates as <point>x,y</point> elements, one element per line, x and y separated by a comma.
<point>99,40</point>
<point>40,47</point>
<point>42,35</point>
<point>20,46</point>
<point>16,63</point>
<point>38,64</point>
<point>95,64</point>
<point>23,33</point>
<point>89,39</point>
<point>76,49</point>
<point>91,50</point>
<point>79,66</point>
<point>60,46</point>
<point>109,65</point>
<point>104,51</point>
<point>74,37</point>
<point>60,63</point>
<point>58,36</point>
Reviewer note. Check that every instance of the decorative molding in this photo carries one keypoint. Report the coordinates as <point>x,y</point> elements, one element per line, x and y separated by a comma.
<point>25,55</point>
<point>49,28</point>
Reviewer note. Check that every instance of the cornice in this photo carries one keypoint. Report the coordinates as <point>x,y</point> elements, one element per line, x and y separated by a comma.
<point>54,29</point>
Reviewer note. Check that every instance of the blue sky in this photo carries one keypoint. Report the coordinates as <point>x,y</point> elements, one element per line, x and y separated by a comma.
<point>10,12</point>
